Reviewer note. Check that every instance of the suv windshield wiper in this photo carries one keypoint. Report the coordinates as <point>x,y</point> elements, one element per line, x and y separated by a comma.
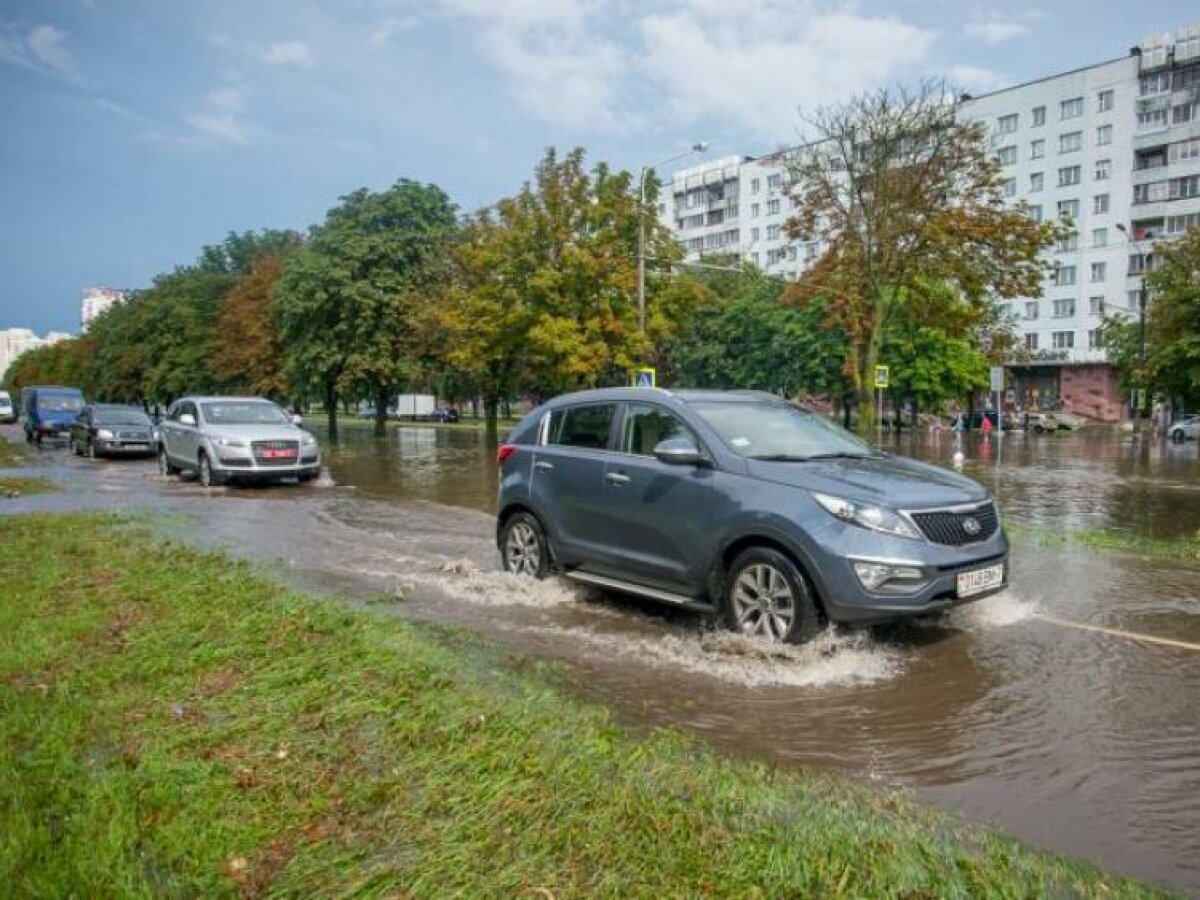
<point>793,457</point>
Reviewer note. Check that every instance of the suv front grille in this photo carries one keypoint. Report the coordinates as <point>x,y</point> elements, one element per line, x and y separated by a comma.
<point>953,528</point>
<point>133,435</point>
<point>265,452</point>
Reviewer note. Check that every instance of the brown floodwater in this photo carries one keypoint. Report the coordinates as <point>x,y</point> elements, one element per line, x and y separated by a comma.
<point>1005,711</point>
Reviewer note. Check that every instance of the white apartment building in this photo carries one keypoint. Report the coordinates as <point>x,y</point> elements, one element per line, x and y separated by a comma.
<point>1114,146</point>
<point>95,301</point>
<point>15,341</point>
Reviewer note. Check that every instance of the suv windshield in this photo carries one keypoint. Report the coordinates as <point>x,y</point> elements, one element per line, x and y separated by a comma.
<point>121,417</point>
<point>244,413</point>
<point>777,431</point>
<point>59,402</point>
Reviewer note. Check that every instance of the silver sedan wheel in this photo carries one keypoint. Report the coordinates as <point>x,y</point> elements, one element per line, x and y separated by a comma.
<point>522,550</point>
<point>763,603</point>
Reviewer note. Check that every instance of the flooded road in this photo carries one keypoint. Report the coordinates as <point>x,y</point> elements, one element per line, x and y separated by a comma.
<point>1077,741</point>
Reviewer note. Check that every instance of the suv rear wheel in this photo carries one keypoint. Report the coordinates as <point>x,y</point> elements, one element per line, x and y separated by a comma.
<point>524,547</point>
<point>767,596</point>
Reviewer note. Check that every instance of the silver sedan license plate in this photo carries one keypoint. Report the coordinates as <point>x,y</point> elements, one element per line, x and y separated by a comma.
<point>980,580</point>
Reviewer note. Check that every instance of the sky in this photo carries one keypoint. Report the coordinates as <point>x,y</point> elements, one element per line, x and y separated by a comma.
<point>134,132</point>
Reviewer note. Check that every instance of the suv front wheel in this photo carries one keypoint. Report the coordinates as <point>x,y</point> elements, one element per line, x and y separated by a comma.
<point>524,547</point>
<point>767,596</point>
<point>208,478</point>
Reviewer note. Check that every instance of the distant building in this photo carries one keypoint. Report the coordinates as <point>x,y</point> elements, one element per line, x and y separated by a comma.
<point>95,301</point>
<point>1114,146</point>
<point>15,341</point>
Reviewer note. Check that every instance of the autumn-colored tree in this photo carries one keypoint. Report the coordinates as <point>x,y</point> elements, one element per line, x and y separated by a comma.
<point>908,205</point>
<point>247,352</point>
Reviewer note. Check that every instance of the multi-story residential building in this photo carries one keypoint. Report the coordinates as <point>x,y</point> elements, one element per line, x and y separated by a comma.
<point>95,301</point>
<point>1114,147</point>
<point>15,341</point>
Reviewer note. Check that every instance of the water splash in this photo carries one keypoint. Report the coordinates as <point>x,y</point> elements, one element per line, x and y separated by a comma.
<point>998,611</point>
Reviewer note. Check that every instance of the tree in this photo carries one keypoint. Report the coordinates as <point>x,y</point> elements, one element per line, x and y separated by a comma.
<point>908,205</point>
<point>247,351</point>
<point>349,305</point>
<point>1173,319</point>
<point>544,286</point>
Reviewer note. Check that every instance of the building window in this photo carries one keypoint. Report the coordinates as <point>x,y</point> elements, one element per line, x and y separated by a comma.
<point>1039,116</point>
<point>755,209</point>
<point>1096,306</point>
<point>1037,149</point>
<point>1071,109</point>
<point>1103,135</point>
<point>776,256</point>
<point>1064,276</point>
<point>1100,204</point>
<point>772,232</point>
<point>755,184</point>
<point>1062,340</point>
<point>1094,339</point>
<point>772,207</point>
<point>754,257</point>
<point>1031,341</point>
<point>1068,175</point>
<point>1155,84</point>
<point>1031,310</point>
<point>1064,309</point>
<point>1037,181</point>
<point>1099,271</point>
<point>754,233</point>
<point>1035,212</point>
<point>1068,208</point>
<point>1133,298</point>
<point>1104,101</point>
<point>1068,244</point>
<point>1070,142</point>
<point>1007,156</point>
<point>1184,113</point>
<point>1180,224</point>
<point>1007,124</point>
<point>1103,169</point>
<point>1185,150</point>
<point>1099,237</point>
<point>1008,187</point>
<point>1152,119</point>
<point>773,182</point>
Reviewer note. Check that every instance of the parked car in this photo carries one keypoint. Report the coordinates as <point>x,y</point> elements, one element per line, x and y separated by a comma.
<point>105,429</point>
<point>1185,429</point>
<point>743,504</point>
<point>447,414</point>
<point>8,413</point>
<point>49,410</point>
<point>1040,422</point>
<point>226,439</point>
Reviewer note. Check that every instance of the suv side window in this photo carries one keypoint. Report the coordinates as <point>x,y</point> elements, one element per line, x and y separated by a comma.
<point>646,426</point>
<point>582,426</point>
<point>174,412</point>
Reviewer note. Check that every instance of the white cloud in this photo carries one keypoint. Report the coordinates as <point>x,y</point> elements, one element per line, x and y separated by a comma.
<point>42,49</point>
<point>748,64</point>
<point>975,78</point>
<point>995,27</point>
<point>288,53</point>
<point>221,118</point>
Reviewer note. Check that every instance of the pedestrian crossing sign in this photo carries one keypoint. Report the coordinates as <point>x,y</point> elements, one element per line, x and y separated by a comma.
<point>643,377</point>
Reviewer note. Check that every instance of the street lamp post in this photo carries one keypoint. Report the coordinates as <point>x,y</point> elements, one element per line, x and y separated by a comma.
<point>1135,242</point>
<point>698,147</point>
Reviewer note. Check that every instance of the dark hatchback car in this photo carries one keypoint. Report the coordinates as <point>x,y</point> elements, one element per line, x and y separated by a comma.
<point>743,504</point>
<point>109,429</point>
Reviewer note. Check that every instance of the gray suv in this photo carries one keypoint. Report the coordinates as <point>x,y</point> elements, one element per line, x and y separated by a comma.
<point>235,439</point>
<point>743,504</point>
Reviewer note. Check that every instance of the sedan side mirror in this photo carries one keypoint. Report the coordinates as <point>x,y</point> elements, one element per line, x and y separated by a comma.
<point>679,451</point>
<point>188,419</point>
<point>297,419</point>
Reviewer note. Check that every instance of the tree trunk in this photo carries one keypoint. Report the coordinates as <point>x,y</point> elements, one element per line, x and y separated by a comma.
<point>491,427</point>
<point>331,408</point>
<point>381,408</point>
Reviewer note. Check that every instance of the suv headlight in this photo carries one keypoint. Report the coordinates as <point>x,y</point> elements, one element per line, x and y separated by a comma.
<point>104,434</point>
<point>230,442</point>
<point>308,440</point>
<point>875,518</point>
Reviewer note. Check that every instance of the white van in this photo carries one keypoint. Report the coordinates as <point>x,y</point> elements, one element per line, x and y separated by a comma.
<point>8,412</point>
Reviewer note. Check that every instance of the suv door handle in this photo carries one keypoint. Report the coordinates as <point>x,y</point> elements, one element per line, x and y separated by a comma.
<point>543,465</point>
<point>616,478</point>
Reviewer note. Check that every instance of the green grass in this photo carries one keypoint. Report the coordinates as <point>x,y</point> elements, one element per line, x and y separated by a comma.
<point>174,724</point>
<point>12,454</point>
<point>1107,540</point>
<point>18,486</point>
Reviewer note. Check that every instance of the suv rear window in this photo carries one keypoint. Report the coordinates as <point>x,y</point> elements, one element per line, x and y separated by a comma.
<point>582,426</point>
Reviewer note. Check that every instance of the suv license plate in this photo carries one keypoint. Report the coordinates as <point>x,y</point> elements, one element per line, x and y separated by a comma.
<point>971,583</point>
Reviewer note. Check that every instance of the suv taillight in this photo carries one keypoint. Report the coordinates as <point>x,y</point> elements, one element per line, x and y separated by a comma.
<point>504,451</point>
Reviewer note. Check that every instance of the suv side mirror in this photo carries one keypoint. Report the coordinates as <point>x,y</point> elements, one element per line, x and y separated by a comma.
<point>679,451</point>
<point>297,419</point>
<point>188,419</point>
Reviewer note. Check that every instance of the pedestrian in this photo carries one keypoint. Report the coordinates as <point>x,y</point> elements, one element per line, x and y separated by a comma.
<point>960,424</point>
<point>986,425</point>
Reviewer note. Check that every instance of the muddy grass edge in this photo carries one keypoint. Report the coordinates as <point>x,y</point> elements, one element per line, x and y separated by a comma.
<point>177,723</point>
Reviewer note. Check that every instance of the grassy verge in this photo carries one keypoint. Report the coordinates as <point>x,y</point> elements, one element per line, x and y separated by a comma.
<point>11,454</point>
<point>17,486</point>
<point>174,724</point>
<point>1105,540</point>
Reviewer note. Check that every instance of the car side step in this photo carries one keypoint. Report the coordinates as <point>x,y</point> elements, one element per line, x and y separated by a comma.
<point>630,587</point>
